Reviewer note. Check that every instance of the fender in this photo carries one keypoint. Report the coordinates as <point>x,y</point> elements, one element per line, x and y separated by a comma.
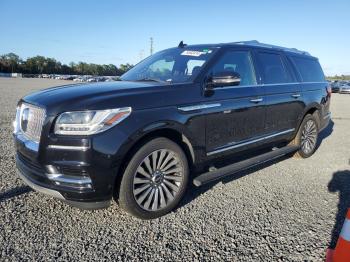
<point>314,106</point>
<point>167,128</point>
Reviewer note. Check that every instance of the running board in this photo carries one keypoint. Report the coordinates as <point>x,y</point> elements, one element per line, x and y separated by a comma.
<point>242,165</point>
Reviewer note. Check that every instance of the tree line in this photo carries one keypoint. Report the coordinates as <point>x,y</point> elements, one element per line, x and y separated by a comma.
<point>336,77</point>
<point>12,63</point>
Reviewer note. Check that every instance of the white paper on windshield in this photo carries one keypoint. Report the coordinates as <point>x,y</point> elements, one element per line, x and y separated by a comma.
<point>192,53</point>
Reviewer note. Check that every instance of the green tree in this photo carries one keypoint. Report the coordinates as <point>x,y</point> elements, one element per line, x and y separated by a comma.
<point>124,68</point>
<point>45,65</point>
<point>10,62</point>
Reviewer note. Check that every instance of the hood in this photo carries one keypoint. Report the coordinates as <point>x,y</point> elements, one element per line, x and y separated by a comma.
<point>106,95</point>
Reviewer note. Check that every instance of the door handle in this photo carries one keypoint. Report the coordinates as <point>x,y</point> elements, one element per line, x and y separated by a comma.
<point>256,100</point>
<point>296,95</point>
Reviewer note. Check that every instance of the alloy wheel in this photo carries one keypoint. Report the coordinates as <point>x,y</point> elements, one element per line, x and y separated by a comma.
<point>309,137</point>
<point>158,179</point>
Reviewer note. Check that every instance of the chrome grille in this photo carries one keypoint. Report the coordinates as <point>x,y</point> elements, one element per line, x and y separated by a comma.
<point>31,120</point>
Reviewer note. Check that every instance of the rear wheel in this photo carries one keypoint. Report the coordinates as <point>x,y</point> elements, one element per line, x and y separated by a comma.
<point>306,137</point>
<point>155,179</point>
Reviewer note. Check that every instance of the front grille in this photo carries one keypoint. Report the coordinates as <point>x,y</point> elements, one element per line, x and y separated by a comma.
<point>31,120</point>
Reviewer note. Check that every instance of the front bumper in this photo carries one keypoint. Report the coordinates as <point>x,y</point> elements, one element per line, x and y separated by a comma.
<point>41,182</point>
<point>39,188</point>
<point>70,169</point>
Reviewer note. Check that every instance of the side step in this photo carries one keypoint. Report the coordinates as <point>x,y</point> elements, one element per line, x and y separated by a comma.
<point>242,165</point>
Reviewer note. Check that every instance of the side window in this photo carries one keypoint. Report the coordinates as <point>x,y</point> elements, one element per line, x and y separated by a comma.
<point>194,66</point>
<point>273,69</point>
<point>161,69</point>
<point>239,62</point>
<point>309,69</point>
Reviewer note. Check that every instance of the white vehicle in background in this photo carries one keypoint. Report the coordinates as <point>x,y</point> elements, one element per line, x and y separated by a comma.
<point>58,77</point>
<point>78,79</point>
<point>345,88</point>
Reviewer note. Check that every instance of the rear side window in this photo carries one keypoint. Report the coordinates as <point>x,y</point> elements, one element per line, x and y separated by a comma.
<point>309,69</point>
<point>273,68</point>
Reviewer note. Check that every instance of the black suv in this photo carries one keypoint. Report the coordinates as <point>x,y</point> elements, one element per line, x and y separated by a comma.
<point>177,115</point>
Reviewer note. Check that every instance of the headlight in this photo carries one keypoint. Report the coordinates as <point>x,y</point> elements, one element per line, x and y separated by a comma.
<point>89,122</point>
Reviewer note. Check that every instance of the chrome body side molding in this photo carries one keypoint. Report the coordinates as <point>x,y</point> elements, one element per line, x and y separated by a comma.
<point>251,141</point>
<point>198,107</point>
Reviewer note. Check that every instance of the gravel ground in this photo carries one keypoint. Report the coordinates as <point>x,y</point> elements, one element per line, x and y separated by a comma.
<point>283,211</point>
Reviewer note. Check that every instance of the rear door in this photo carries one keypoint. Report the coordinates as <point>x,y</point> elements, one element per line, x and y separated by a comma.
<point>283,94</point>
<point>314,84</point>
<point>240,116</point>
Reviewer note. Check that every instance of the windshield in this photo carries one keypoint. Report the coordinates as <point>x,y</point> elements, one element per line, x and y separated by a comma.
<point>176,65</point>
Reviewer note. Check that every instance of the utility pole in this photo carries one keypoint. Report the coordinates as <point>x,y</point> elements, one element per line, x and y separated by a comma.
<point>151,48</point>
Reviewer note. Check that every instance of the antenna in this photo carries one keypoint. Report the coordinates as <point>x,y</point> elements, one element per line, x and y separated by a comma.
<point>181,44</point>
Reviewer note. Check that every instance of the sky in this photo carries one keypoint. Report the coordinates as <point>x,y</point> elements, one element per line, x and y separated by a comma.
<point>117,32</point>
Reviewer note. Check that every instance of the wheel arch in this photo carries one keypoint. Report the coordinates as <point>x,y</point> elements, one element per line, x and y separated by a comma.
<point>147,134</point>
<point>313,109</point>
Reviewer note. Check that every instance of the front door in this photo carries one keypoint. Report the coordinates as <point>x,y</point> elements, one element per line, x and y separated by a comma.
<point>239,115</point>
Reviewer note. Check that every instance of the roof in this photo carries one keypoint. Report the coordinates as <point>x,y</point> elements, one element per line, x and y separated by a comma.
<point>255,43</point>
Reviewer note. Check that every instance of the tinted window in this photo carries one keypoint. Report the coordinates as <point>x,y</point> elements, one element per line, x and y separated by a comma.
<point>161,69</point>
<point>309,69</point>
<point>194,66</point>
<point>239,62</point>
<point>274,70</point>
<point>175,65</point>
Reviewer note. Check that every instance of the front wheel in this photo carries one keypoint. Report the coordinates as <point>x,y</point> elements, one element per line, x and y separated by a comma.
<point>155,179</point>
<point>306,137</point>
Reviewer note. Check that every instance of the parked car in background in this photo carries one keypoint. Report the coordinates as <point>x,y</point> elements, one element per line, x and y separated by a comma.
<point>170,119</point>
<point>344,88</point>
<point>79,79</point>
<point>335,86</point>
<point>69,77</point>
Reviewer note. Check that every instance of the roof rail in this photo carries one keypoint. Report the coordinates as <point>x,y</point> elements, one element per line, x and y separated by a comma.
<point>257,43</point>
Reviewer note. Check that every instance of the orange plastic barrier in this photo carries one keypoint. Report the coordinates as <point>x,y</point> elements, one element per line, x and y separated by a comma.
<point>342,250</point>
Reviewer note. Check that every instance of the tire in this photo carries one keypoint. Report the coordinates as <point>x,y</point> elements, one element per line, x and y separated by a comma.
<point>307,137</point>
<point>155,180</point>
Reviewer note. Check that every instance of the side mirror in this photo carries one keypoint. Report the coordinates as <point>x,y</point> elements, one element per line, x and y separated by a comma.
<point>222,79</point>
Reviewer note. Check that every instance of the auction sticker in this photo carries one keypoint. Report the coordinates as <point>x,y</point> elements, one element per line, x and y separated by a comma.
<point>193,53</point>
